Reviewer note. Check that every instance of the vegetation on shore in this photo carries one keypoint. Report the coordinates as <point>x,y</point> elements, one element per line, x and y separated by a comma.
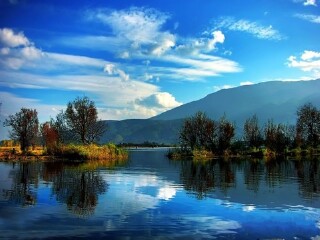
<point>72,135</point>
<point>201,137</point>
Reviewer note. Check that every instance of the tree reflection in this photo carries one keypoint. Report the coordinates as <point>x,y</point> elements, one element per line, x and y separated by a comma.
<point>308,173</point>
<point>205,176</point>
<point>77,187</point>
<point>25,179</point>
<point>253,171</point>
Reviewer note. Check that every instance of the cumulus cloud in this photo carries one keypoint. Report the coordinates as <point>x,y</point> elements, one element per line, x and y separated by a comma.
<point>309,61</point>
<point>253,28</point>
<point>8,38</point>
<point>309,17</point>
<point>159,100</point>
<point>16,49</point>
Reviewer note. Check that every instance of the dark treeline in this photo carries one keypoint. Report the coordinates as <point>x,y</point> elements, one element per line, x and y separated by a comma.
<point>200,133</point>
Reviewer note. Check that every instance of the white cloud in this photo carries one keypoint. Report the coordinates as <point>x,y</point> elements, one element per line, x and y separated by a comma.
<point>8,38</point>
<point>206,44</point>
<point>309,55</point>
<point>139,27</point>
<point>309,61</point>
<point>246,83</point>
<point>161,100</point>
<point>253,28</point>
<point>310,3</point>
<point>139,34</point>
<point>218,88</point>
<point>111,69</point>
<point>166,193</point>
<point>309,17</point>
<point>248,208</point>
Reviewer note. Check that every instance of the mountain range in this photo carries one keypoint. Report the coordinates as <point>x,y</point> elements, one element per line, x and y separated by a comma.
<point>275,100</point>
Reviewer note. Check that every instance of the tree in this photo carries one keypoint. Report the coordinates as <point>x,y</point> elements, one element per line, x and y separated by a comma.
<point>82,120</point>
<point>25,127</point>
<point>252,132</point>
<point>198,132</point>
<point>61,128</point>
<point>308,125</point>
<point>49,136</point>
<point>277,137</point>
<point>226,131</point>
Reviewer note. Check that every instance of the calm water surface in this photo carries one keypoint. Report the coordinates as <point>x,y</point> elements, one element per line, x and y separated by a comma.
<point>151,197</point>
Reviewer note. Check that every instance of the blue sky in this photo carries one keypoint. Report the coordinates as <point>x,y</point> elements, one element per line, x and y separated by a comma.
<point>138,58</point>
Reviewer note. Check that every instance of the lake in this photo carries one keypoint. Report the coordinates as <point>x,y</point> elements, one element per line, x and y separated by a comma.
<point>152,197</point>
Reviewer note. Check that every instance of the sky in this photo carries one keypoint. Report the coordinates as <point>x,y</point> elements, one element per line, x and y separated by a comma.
<point>139,58</point>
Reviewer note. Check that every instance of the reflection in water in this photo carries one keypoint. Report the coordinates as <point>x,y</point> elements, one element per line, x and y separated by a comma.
<point>25,179</point>
<point>203,177</point>
<point>79,189</point>
<point>77,185</point>
<point>153,197</point>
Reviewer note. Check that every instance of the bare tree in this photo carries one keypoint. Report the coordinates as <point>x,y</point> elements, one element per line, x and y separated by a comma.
<point>82,120</point>
<point>226,132</point>
<point>277,137</point>
<point>252,132</point>
<point>308,125</point>
<point>25,127</point>
<point>198,132</point>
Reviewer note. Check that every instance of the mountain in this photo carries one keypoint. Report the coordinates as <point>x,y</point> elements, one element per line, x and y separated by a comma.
<point>142,130</point>
<point>277,100</point>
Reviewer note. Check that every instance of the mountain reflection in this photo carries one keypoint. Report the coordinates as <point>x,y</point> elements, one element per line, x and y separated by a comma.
<point>204,177</point>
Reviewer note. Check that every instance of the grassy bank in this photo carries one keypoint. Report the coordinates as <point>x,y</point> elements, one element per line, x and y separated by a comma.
<point>89,152</point>
<point>70,152</point>
<point>261,153</point>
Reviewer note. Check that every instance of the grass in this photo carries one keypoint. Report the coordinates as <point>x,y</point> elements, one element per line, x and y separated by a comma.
<point>90,152</point>
<point>70,152</point>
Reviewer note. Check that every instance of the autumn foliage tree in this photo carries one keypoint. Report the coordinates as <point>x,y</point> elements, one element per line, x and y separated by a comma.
<point>49,135</point>
<point>24,127</point>
<point>82,120</point>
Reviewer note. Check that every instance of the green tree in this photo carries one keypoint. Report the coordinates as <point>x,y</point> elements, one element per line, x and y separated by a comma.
<point>24,127</point>
<point>82,120</point>
<point>252,132</point>
<point>308,125</point>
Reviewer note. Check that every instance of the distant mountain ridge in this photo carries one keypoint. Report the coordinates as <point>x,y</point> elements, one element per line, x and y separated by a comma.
<point>277,100</point>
